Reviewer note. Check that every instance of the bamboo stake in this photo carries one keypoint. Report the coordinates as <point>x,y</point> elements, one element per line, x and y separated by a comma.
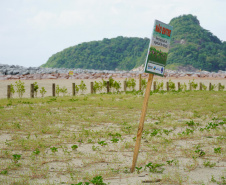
<point>141,124</point>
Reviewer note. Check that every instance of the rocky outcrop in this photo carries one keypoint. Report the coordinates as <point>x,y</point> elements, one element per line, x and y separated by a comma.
<point>8,72</point>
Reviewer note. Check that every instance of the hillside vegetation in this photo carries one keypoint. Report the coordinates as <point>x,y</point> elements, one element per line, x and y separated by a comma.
<point>191,45</point>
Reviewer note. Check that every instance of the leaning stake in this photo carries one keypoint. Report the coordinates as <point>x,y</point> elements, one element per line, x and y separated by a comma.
<point>141,124</point>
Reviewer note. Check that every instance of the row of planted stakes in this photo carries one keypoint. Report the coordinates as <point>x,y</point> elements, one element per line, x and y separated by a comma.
<point>110,86</point>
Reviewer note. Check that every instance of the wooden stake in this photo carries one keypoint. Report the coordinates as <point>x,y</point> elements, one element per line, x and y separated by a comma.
<point>200,86</point>
<point>53,89</point>
<point>167,86</point>
<point>32,91</point>
<point>141,124</point>
<point>210,87</point>
<point>73,89</point>
<point>91,87</point>
<point>139,82</point>
<point>108,87</point>
<point>178,86</point>
<point>9,91</point>
<point>125,86</point>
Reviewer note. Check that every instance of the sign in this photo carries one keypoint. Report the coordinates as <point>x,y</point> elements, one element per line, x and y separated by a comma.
<point>158,49</point>
<point>70,73</point>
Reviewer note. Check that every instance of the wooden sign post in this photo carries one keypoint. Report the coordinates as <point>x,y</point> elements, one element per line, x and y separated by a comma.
<point>141,124</point>
<point>155,64</point>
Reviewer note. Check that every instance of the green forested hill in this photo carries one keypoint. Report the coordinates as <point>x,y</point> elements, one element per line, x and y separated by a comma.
<point>190,45</point>
<point>121,53</point>
<point>193,45</point>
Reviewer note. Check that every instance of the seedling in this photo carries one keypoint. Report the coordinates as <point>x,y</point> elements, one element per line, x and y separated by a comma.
<point>16,158</point>
<point>199,151</point>
<point>36,88</point>
<point>192,123</point>
<point>36,151</point>
<point>155,168</point>
<point>155,132</point>
<point>102,143</point>
<point>170,162</point>
<point>20,88</point>
<point>82,87</point>
<point>138,169</point>
<point>217,150</point>
<point>115,140</point>
<point>54,149</point>
<point>4,172</point>
<point>171,85</point>
<point>74,147</point>
<point>95,148</point>
<point>209,164</point>
<point>98,180</point>
<point>43,91</point>
<point>80,141</point>
<point>115,171</point>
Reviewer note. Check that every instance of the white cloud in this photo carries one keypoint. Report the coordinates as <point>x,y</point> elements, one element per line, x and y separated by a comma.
<point>42,20</point>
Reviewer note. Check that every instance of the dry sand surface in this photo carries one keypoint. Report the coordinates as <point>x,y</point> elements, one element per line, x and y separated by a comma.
<point>180,151</point>
<point>68,84</point>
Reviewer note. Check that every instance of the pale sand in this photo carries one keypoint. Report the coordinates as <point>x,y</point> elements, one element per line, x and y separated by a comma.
<point>47,84</point>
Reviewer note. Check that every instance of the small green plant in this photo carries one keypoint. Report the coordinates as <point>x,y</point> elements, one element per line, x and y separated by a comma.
<point>155,132</point>
<point>143,84</point>
<point>12,90</point>
<point>57,90</point>
<point>20,88</point>
<point>209,164</point>
<point>131,83</point>
<point>76,89</point>
<point>117,85</point>
<point>186,132</point>
<point>204,87</point>
<point>199,151</point>
<point>183,87</point>
<point>4,172</point>
<point>170,162</point>
<point>192,123</point>
<point>155,168</point>
<point>95,148</point>
<point>82,87</point>
<point>36,88</point>
<point>171,85</point>
<point>74,147</point>
<point>213,179</point>
<point>97,87</point>
<point>54,149</point>
<point>63,90</point>
<point>193,84</point>
<point>36,151</point>
<point>42,91</point>
<point>159,86</point>
<point>102,143</point>
<point>217,150</point>
<point>138,169</point>
<point>213,86</point>
<point>221,87</point>
<point>115,140</point>
<point>98,180</point>
<point>16,158</point>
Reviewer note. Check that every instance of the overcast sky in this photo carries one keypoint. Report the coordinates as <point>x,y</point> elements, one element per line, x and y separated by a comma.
<point>31,31</point>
